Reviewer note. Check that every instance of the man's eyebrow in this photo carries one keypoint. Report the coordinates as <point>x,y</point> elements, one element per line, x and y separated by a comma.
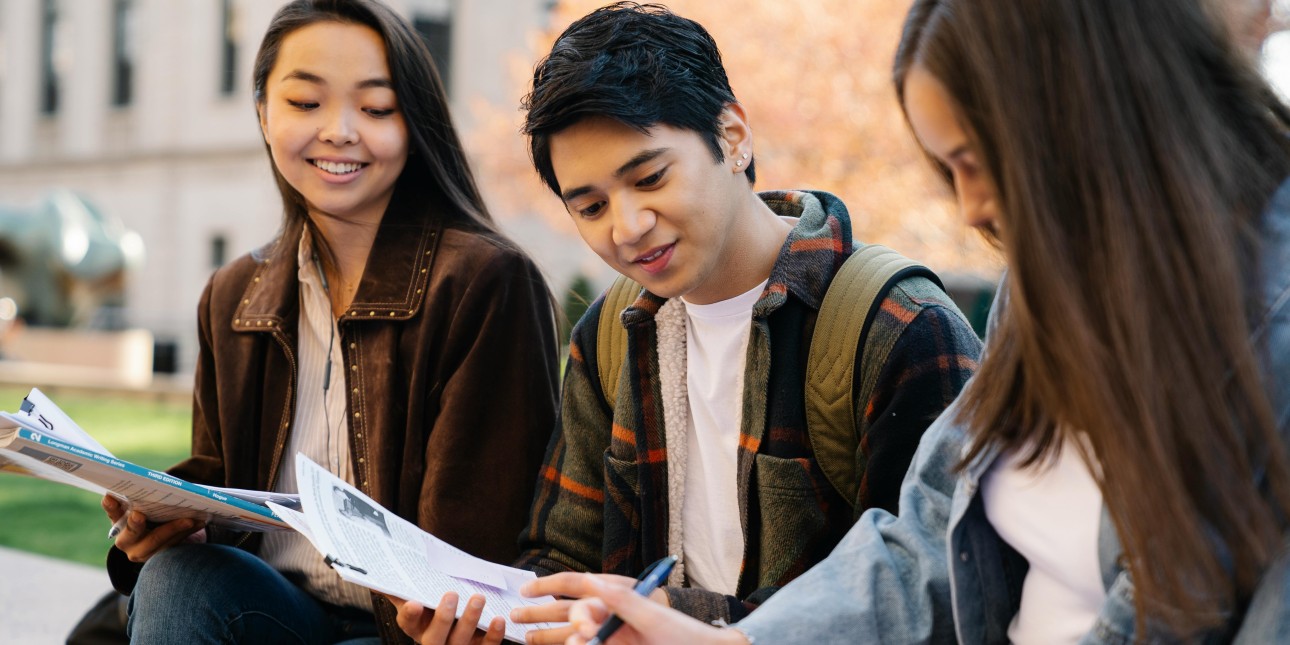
<point>574,193</point>
<point>642,157</point>
<point>310,77</point>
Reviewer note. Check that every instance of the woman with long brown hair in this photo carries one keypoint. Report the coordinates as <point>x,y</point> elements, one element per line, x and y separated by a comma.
<point>389,333</point>
<point>1117,470</point>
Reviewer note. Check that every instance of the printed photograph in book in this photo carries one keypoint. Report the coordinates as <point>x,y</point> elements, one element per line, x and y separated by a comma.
<point>370,546</point>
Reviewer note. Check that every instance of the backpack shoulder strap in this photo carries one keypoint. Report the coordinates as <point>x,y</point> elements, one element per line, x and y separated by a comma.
<point>611,338</point>
<point>850,305</point>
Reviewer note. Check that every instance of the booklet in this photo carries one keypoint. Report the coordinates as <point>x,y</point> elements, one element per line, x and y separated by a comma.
<point>41,441</point>
<point>373,547</point>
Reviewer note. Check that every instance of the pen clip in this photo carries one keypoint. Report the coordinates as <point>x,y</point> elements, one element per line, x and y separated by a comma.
<point>329,560</point>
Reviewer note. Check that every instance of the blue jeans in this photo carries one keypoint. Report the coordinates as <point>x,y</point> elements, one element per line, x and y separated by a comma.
<point>208,593</point>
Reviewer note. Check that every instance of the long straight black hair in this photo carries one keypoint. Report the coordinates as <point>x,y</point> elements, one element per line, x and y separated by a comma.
<point>1133,149</point>
<point>436,169</point>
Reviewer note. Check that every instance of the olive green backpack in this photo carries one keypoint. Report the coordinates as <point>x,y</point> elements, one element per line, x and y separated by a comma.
<point>859,287</point>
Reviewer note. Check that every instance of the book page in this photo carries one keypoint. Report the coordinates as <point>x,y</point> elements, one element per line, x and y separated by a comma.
<point>289,500</point>
<point>373,547</point>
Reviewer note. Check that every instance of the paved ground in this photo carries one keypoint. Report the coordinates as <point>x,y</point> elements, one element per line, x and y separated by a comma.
<point>42,598</point>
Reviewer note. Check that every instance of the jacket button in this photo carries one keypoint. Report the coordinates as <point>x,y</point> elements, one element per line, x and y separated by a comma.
<point>357,415</point>
<point>353,368</point>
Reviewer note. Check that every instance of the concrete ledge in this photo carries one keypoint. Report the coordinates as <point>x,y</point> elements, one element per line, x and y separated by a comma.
<point>41,598</point>
<point>78,357</point>
<point>166,388</point>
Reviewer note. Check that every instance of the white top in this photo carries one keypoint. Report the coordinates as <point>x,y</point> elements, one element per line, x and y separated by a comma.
<point>1050,513</point>
<point>319,431</point>
<point>716,351</point>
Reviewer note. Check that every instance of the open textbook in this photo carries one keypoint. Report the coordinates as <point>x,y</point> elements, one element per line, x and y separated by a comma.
<point>370,546</point>
<point>41,441</point>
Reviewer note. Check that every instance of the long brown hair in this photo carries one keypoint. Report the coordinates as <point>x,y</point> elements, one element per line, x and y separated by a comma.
<point>1133,151</point>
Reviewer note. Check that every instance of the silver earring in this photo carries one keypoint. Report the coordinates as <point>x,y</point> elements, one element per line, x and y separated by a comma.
<point>745,155</point>
<point>739,163</point>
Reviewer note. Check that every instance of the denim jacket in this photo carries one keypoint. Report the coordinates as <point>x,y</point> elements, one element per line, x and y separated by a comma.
<point>940,573</point>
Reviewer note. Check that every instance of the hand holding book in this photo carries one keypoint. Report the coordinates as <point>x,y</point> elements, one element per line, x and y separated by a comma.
<point>139,540</point>
<point>41,441</point>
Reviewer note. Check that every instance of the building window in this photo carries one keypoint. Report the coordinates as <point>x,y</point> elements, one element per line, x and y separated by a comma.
<point>437,35</point>
<point>122,51</point>
<point>230,36</point>
<point>50,50</point>
<point>219,251</point>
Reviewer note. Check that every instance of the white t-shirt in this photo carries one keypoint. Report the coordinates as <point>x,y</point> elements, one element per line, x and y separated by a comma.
<point>716,353</point>
<point>1050,513</point>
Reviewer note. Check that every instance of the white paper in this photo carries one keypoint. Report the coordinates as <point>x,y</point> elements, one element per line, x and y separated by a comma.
<point>375,548</point>
<point>48,418</point>
<point>289,500</point>
<point>295,519</point>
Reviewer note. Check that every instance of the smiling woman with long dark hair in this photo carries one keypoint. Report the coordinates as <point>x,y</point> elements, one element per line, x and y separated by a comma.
<point>389,332</point>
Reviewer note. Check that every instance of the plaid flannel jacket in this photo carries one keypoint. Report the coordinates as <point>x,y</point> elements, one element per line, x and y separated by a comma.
<point>602,499</point>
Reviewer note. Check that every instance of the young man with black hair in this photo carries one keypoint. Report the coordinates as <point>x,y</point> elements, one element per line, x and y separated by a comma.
<point>703,451</point>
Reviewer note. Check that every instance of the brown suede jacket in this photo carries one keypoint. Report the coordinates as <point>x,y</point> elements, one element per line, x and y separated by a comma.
<point>450,365</point>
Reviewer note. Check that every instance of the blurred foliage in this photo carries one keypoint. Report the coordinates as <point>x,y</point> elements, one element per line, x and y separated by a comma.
<point>815,79</point>
<point>68,523</point>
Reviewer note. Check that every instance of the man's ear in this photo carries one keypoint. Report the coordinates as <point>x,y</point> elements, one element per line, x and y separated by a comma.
<point>735,134</point>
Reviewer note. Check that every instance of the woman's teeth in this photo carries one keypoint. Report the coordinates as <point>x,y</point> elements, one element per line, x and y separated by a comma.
<point>337,168</point>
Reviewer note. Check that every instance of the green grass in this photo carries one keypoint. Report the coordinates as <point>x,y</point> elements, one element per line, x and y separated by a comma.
<point>66,522</point>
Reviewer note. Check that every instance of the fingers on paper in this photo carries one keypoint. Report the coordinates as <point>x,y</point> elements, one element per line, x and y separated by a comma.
<point>140,542</point>
<point>113,508</point>
<point>466,626</point>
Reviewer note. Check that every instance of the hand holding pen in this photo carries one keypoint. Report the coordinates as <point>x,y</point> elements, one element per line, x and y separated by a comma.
<point>649,580</point>
<point>643,621</point>
<point>133,535</point>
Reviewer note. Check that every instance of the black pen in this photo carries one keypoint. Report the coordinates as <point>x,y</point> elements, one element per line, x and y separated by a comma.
<point>649,580</point>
